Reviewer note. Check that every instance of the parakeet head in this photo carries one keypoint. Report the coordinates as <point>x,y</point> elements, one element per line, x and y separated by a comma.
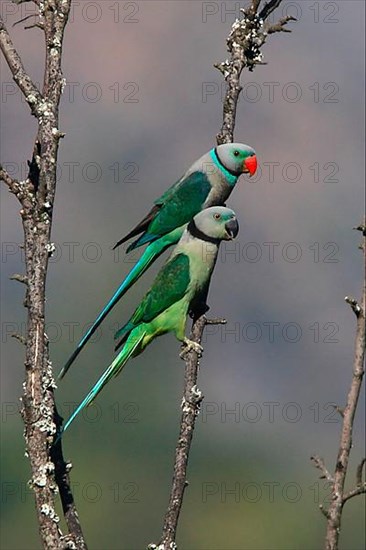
<point>218,223</point>
<point>237,158</point>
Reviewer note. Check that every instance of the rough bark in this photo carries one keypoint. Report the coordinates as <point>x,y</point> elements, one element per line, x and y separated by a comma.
<point>36,195</point>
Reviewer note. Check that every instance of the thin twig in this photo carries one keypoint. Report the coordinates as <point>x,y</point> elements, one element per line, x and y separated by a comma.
<point>22,339</point>
<point>280,26</point>
<point>20,76</point>
<point>268,8</point>
<point>20,278</point>
<point>319,463</point>
<point>37,25</point>
<point>244,44</point>
<point>13,184</point>
<point>24,19</point>
<point>355,492</point>
<point>356,308</point>
<point>324,511</point>
<point>362,228</point>
<point>339,497</point>
<point>23,190</point>
<point>340,410</point>
<point>216,321</point>
<point>26,2</point>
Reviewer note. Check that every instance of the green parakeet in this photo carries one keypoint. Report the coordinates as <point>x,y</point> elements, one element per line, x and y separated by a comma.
<point>182,280</point>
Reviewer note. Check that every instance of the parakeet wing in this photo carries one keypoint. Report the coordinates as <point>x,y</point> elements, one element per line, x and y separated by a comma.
<point>180,203</point>
<point>169,286</point>
<point>140,227</point>
<point>174,208</point>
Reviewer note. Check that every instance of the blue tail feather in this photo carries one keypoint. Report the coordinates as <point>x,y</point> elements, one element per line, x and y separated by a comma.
<point>115,368</point>
<point>144,239</point>
<point>124,286</point>
<point>123,331</point>
<point>148,257</point>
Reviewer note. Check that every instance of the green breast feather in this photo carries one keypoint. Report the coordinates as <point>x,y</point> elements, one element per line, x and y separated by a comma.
<point>169,287</point>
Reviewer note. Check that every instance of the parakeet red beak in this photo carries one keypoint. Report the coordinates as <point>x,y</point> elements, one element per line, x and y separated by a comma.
<point>250,165</point>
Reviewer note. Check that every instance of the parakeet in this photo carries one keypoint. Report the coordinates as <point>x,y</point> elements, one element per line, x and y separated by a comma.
<point>208,182</point>
<point>180,282</point>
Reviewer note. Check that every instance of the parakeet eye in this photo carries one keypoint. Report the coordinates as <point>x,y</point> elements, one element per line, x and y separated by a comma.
<point>217,216</point>
<point>236,153</point>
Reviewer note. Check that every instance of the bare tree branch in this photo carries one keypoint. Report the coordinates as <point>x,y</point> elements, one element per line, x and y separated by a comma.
<point>362,228</point>
<point>319,463</point>
<point>13,184</point>
<point>356,308</point>
<point>244,43</point>
<point>36,195</point>
<point>268,8</point>
<point>339,497</point>
<point>24,19</point>
<point>26,2</point>
<point>19,337</point>
<point>24,82</point>
<point>191,402</point>
<point>23,190</point>
<point>37,25</point>
<point>20,278</point>
<point>358,491</point>
<point>280,26</point>
<point>340,410</point>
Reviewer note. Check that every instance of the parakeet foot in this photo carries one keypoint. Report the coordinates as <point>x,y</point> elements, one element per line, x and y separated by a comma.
<point>189,345</point>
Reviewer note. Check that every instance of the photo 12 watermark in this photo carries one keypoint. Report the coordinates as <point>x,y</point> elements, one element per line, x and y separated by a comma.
<point>271,492</point>
<point>268,412</point>
<point>116,413</point>
<point>119,12</point>
<point>91,492</point>
<point>276,92</point>
<point>88,92</point>
<point>313,12</point>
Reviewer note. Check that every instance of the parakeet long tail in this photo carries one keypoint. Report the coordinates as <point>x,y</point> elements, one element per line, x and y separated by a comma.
<point>134,340</point>
<point>150,254</point>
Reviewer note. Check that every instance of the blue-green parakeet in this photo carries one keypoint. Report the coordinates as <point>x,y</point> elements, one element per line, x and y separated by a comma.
<point>179,284</point>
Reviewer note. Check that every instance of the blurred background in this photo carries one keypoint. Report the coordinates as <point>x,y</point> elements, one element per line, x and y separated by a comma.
<point>141,104</point>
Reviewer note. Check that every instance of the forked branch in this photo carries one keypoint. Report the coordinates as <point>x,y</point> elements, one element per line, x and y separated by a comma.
<point>337,480</point>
